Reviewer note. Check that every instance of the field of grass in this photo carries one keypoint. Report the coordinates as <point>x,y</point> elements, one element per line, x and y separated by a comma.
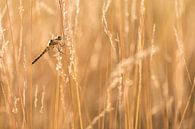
<point>121,64</point>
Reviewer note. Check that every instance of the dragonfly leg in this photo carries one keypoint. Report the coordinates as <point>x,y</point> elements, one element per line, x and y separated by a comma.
<point>59,50</point>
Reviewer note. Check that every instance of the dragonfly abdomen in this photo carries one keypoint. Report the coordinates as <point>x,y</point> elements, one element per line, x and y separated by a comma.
<point>40,55</point>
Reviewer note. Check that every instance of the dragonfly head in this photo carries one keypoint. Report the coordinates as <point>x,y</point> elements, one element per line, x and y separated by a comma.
<point>59,38</point>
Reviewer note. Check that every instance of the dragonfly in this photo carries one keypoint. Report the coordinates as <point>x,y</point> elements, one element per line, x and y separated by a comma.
<point>52,43</point>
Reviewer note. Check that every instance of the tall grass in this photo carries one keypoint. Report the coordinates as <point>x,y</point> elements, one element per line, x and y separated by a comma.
<point>122,64</point>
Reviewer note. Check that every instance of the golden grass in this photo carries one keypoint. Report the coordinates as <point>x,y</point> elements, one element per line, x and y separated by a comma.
<point>125,64</point>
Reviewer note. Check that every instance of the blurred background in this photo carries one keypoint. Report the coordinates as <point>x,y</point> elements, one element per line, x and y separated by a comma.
<point>108,76</point>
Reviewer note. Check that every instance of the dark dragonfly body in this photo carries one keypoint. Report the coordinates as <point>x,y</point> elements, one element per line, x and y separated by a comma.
<point>52,44</point>
<point>35,60</point>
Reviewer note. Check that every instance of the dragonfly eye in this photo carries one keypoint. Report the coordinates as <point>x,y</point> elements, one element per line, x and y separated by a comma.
<point>51,40</point>
<point>59,38</point>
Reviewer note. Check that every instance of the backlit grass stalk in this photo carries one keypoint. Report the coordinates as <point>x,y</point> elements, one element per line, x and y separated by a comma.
<point>124,66</point>
<point>140,68</point>
<point>5,82</point>
<point>21,10</point>
<point>179,42</point>
<point>105,23</point>
<point>12,36</point>
<point>57,90</point>
<point>70,39</point>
